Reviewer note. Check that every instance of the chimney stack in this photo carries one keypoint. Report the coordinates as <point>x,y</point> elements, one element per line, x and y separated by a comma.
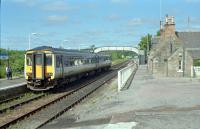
<point>169,26</point>
<point>161,28</point>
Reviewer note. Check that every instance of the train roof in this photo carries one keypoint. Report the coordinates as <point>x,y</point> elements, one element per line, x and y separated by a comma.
<point>69,51</point>
<point>52,49</point>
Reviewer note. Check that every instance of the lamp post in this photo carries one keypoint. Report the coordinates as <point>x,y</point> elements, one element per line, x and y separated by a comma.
<point>29,40</point>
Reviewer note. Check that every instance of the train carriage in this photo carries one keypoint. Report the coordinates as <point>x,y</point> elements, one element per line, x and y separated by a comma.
<point>46,67</point>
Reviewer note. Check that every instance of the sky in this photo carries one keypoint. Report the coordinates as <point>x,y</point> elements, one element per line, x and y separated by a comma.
<point>76,24</point>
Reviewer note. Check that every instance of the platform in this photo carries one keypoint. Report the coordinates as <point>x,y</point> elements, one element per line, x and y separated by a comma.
<point>150,102</point>
<point>4,83</point>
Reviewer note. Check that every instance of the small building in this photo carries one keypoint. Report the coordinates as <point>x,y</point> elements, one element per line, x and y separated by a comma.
<point>3,56</point>
<point>174,53</point>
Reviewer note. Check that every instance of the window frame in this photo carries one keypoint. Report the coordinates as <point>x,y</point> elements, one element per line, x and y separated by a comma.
<point>29,56</point>
<point>36,59</point>
<point>47,63</point>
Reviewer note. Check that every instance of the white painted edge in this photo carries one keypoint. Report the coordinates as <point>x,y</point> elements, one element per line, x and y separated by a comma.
<point>13,86</point>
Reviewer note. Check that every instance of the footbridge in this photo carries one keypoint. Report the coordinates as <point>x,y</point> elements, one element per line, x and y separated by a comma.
<point>140,53</point>
<point>119,48</point>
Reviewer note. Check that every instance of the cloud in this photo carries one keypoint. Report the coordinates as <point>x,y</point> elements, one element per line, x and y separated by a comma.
<point>113,17</point>
<point>26,2</point>
<point>192,1</point>
<point>195,20</point>
<point>135,21</point>
<point>119,1</point>
<point>57,19</point>
<point>57,6</point>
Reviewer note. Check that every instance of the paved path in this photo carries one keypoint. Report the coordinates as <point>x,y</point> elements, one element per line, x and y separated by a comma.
<point>4,83</point>
<point>149,103</point>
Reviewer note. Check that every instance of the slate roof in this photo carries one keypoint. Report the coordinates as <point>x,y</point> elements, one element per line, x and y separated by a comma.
<point>189,39</point>
<point>194,53</point>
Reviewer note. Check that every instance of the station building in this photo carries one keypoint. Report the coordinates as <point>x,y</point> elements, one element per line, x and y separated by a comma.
<point>174,54</point>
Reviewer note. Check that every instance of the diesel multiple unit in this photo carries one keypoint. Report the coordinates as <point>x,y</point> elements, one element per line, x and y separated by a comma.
<point>47,67</point>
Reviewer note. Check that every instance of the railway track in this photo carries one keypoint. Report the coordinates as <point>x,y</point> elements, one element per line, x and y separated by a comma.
<point>19,101</point>
<point>51,109</point>
<point>10,99</point>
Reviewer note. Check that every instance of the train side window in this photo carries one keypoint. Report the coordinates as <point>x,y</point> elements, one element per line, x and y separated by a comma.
<point>93,60</point>
<point>71,62</point>
<point>38,59</point>
<point>76,62</point>
<point>66,62</point>
<point>48,59</point>
<point>86,61</point>
<point>29,60</point>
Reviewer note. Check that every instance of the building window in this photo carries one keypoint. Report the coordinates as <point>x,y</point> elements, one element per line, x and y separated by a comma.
<point>179,65</point>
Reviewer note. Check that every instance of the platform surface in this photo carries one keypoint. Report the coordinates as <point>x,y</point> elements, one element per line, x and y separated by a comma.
<point>16,81</point>
<point>149,103</point>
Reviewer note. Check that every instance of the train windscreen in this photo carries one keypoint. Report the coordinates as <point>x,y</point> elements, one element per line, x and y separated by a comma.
<point>48,61</point>
<point>29,59</point>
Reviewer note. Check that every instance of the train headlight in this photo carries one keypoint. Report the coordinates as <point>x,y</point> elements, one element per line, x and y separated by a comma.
<point>49,74</point>
<point>29,74</point>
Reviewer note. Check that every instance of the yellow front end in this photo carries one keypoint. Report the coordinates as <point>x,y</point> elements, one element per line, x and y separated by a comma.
<point>38,72</point>
<point>39,69</point>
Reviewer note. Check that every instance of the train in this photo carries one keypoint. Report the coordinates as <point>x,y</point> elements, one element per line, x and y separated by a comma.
<point>47,67</point>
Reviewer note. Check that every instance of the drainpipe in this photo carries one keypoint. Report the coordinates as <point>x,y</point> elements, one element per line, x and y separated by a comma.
<point>167,68</point>
<point>183,61</point>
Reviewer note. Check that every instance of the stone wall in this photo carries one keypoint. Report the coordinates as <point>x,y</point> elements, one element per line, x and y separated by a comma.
<point>173,64</point>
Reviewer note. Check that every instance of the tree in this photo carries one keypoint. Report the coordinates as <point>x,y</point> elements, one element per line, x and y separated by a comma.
<point>158,33</point>
<point>16,61</point>
<point>144,41</point>
<point>92,48</point>
<point>145,44</point>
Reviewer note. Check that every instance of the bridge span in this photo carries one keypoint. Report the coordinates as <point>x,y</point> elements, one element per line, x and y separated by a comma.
<point>119,48</point>
<point>140,53</point>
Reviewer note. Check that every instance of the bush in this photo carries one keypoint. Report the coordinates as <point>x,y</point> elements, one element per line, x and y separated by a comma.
<point>16,62</point>
<point>197,62</point>
<point>2,71</point>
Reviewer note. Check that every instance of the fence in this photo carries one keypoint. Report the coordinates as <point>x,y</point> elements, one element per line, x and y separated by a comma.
<point>125,74</point>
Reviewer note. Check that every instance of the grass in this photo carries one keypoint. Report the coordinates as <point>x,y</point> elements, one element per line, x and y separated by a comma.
<point>117,61</point>
<point>25,97</point>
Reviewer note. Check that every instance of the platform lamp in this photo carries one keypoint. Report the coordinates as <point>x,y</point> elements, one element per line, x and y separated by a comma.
<point>64,42</point>
<point>29,39</point>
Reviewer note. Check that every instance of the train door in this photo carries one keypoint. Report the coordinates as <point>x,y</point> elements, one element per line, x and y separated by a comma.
<point>97,61</point>
<point>59,65</point>
<point>38,65</point>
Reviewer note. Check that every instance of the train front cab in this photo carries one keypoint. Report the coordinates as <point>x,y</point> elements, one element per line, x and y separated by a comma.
<point>39,70</point>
